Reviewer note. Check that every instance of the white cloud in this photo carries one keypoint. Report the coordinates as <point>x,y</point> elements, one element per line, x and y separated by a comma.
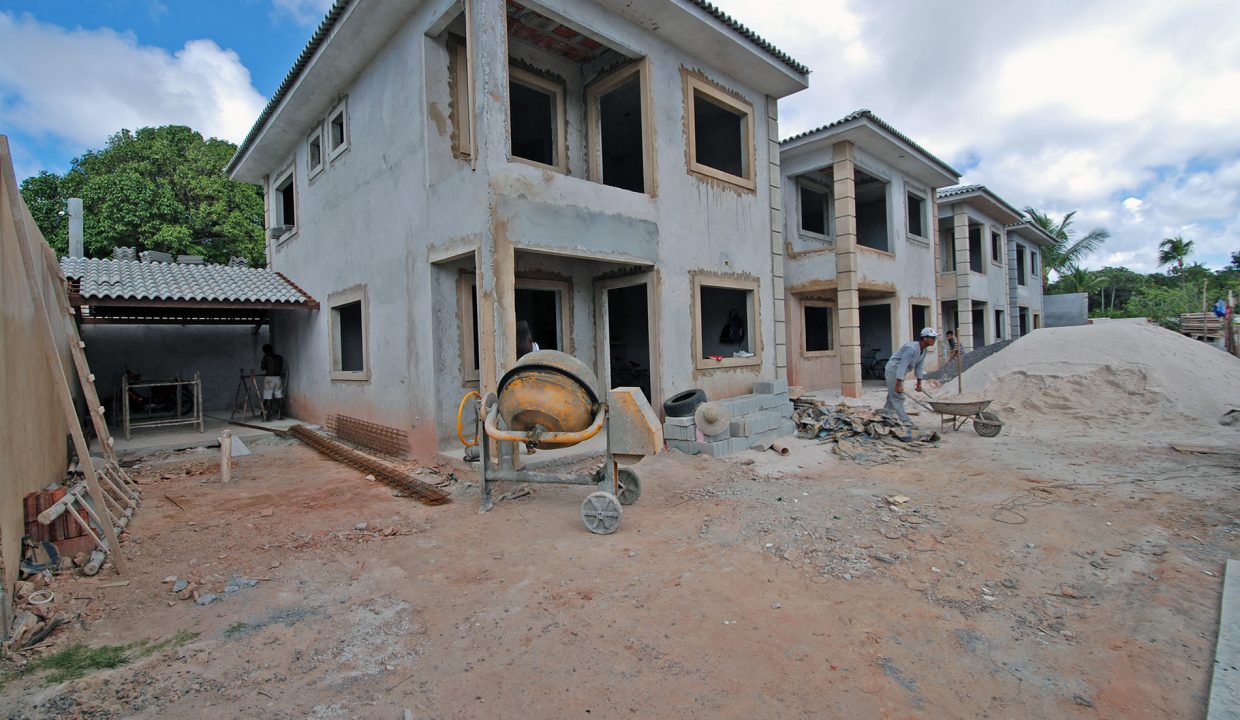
<point>1062,105</point>
<point>80,86</point>
<point>304,12</point>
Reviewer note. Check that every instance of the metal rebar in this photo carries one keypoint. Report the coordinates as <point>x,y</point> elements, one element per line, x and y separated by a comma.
<point>423,492</point>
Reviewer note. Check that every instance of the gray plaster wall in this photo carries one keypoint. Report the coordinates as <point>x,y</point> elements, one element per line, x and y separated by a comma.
<point>161,352</point>
<point>398,216</point>
<point>1065,310</point>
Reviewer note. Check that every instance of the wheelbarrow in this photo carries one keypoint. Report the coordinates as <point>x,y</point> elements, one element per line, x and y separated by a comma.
<point>957,413</point>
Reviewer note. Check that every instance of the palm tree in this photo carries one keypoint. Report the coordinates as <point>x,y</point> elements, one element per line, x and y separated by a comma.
<point>1174,250</point>
<point>1066,252</point>
<point>1076,279</point>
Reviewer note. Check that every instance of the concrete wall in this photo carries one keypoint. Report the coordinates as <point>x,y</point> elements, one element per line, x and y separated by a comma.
<point>398,216</point>
<point>162,352</point>
<point>1065,310</point>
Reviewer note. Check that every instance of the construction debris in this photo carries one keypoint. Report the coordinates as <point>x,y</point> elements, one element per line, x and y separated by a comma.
<point>384,439</point>
<point>388,475</point>
<point>863,435</point>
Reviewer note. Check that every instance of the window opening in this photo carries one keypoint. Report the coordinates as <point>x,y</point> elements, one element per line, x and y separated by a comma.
<point>998,325</point>
<point>350,355</point>
<point>286,204</point>
<point>813,211</point>
<point>622,148</point>
<point>540,310</point>
<point>338,131</point>
<point>921,319</point>
<point>916,215</point>
<point>996,247</point>
<point>1020,265</point>
<point>818,335</point>
<point>314,152</point>
<point>976,260</point>
<point>720,133</point>
<point>727,326</point>
<point>871,195</point>
<point>536,109</point>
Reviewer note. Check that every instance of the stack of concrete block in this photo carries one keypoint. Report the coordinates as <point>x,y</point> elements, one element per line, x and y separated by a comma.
<point>759,418</point>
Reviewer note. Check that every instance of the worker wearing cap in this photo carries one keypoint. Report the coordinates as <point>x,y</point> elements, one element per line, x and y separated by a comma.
<point>910,356</point>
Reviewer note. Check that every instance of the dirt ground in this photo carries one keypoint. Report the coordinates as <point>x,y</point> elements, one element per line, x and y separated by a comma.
<point>1063,574</point>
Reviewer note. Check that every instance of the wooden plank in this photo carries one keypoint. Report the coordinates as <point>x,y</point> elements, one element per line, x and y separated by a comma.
<point>1225,685</point>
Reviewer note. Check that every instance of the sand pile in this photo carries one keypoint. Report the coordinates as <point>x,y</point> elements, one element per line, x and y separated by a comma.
<point>1129,373</point>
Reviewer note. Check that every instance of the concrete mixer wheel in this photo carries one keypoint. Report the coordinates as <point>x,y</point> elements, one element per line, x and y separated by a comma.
<point>601,513</point>
<point>630,487</point>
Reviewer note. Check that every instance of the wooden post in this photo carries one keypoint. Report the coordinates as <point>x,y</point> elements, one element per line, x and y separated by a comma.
<point>226,456</point>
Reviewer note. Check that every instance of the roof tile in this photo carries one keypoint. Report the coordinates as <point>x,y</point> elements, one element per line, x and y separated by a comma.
<point>129,279</point>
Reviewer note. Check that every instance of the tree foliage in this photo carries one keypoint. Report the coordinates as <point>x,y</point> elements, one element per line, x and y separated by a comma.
<point>1173,251</point>
<point>159,188</point>
<point>1068,250</point>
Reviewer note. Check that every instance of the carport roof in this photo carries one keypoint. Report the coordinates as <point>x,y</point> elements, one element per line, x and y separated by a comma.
<point>131,291</point>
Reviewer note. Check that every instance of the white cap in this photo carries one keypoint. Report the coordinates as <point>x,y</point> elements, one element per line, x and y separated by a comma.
<point>929,332</point>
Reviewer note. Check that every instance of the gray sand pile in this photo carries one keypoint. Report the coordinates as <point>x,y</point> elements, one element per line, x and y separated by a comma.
<point>1125,373</point>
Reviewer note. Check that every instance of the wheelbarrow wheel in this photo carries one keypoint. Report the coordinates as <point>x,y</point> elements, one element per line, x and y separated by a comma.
<point>987,424</point>
<point>601,513</point>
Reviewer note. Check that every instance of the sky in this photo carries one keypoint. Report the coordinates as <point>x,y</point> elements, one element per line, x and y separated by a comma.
<point>1127,112</point>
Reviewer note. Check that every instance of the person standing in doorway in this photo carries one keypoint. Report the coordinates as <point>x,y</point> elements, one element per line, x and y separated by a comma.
<point>910,357</point>
<point>273,383</point>
<point>953,346</point>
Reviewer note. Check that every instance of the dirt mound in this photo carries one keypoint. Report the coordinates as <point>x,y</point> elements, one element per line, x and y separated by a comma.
<point>1124,372</point>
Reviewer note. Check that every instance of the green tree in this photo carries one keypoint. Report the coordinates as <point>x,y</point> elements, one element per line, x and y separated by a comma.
<point>1068,250</point>
<point>1174,250</point>
<point>1121,285</point>
<point>159,188</point>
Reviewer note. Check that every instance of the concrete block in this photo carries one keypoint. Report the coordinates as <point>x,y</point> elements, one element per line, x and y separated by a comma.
<point>785,409</point>
<point>679,432</point>
<point>685,446</point>
<point>739,444</point>
<point>718,437</point>
<point>770,387</point>
<point>716,449</point>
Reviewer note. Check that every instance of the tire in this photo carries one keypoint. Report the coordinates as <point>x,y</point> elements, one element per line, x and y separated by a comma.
<point>987,424</point>
<point>683,404</point>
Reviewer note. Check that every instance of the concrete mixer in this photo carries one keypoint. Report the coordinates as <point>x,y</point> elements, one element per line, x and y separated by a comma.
<point>550,399</point>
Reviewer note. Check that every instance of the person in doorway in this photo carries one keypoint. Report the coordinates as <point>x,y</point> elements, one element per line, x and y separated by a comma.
<point>953,346</point>
<point>910,357</point>
<point>273,383</point>
<point>525,339</point>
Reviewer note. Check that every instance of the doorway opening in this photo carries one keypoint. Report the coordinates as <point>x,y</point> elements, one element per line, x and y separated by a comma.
<point>979,324</point>
<point>628,338</point>
<point>921,319</point>
<point>876,344</point>
<point>540,309</point>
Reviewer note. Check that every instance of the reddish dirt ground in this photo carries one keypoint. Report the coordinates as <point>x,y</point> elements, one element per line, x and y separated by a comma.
<point>1027,576</point>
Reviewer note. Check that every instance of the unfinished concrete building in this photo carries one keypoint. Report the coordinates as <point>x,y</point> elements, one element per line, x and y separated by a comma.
<point>606,172</point>
<point>1027,243</point>
<point>973,279</point>
<point>859,248</point>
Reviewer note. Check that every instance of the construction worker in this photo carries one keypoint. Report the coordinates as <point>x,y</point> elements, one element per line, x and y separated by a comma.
<point>910,356</point>
<point>273,383</point>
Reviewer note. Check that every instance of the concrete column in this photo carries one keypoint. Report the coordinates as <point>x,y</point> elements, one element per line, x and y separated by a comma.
<point>777,239</point>
<point>77,241</point>
<point>964,299</point>
<point>847,298</point>
<point>1013,291</point>
<point>495,259</point>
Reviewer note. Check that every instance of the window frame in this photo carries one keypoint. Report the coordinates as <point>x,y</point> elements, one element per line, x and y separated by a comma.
<point>827,207</point>
<point>1022,266</point>
<point>277,203</point>
<point>753,287</point>
<point>996,243</point>
<point>335,301</point>
<point>313,171</point>
<point>695,84</point>
<point>341,110</point>
<point>594,135</point>
<point>833,331</point>
<point>461,110</point>
<point>559,130</point>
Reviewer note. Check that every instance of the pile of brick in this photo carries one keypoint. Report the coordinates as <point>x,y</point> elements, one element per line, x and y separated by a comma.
<point>758,419</point>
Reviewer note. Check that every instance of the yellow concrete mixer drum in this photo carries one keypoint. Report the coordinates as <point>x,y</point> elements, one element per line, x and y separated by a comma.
<point>551,390</point>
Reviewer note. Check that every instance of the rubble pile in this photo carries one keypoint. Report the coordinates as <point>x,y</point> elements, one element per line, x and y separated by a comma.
<point>861,434</point>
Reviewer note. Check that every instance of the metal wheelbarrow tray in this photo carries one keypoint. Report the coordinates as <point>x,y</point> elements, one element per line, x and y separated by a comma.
<point>986,423</point>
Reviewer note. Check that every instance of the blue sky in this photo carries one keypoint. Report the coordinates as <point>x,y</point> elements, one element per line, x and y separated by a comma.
<point>1127,112</point>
